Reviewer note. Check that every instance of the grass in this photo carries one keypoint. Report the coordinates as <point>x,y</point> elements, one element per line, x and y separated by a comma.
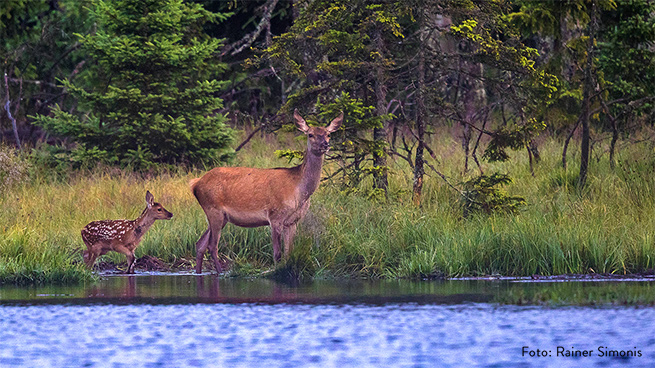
<point>606,229</point>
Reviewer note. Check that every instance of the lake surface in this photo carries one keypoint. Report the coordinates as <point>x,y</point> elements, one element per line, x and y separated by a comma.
<point>203,321</point>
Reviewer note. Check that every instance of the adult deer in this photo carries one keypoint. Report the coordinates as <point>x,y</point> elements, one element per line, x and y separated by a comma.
<point>250,197</point>
<point>122,236</point>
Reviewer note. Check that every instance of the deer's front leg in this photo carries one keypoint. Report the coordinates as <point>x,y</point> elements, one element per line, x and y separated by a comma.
<point>288,233</point>
<point>275,237</point>
<point>130,257</point>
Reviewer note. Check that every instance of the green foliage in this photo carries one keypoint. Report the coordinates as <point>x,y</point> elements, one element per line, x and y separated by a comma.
<point>290,155</point>
<point>36,46</point>
<point>333,50</point>
<point>623,63</point>
<point>349,145</point>
<point>421,263</point>
<point>514,137</point>
<point>481,195</point>
<point>152,99</point>
<point>23,264</point>
<point>626,57</point>
<point>301,264</point>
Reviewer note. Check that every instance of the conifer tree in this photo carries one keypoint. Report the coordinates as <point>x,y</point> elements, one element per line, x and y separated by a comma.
<point>150,97</point>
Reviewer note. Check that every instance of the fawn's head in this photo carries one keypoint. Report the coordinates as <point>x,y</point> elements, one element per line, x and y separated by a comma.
<point>156,210</point>
<point>318,138</point>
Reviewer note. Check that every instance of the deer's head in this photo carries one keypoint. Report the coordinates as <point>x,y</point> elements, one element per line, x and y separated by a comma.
<point>318,138</point>
<point>156,210</point>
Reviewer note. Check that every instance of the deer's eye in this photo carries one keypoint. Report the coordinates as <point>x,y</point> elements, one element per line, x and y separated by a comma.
<point>311,135</point>
<point>158,209</point>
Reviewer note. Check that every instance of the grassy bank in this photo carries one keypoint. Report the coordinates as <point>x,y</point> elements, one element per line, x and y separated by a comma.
<point>606,229</point>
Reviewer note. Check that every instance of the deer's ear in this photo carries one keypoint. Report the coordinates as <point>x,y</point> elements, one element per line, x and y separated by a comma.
<point>301,124</point>
<point>149,198</point>
<point>335,124</point>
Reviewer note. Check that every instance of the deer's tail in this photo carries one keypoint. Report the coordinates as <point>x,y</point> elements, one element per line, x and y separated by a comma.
<point>192,183</point>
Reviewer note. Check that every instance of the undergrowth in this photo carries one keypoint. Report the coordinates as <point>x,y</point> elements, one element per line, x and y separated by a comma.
<point>605,229</point>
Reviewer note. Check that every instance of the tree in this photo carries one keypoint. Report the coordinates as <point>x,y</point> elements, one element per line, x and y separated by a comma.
<point>149,98</point>
<point>467,61</point>
<point>587,89</point>
<point>37,46</point>
<point>337,50</point>
<point>606,70</point>
<point>626,62</point>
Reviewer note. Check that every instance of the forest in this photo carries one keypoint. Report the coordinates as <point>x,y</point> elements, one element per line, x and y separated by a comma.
<point>480,137</point>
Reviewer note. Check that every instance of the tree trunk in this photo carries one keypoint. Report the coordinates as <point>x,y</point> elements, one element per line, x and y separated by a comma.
<point>587,90</point>
<point>419,169</point>
<point>380,134</point>
<point>566,143</point>
<point>615,138</point>
<point>466,140</point>
<point>615,133</point>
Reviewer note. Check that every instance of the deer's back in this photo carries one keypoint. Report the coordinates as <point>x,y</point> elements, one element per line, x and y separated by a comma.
<point>247,189</point>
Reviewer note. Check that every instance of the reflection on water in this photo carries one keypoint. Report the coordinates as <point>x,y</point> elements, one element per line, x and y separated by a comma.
<point>188,288</point>
<point>204,321</point>
<point>160,289</point>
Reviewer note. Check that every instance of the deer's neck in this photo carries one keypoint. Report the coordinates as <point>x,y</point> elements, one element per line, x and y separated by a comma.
<point>310,174</point>
<point>142,223</point>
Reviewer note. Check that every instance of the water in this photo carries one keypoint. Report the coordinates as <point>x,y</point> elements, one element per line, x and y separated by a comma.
<point>189,321</point>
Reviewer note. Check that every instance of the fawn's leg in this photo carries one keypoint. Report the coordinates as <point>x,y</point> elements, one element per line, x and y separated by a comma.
<point>130,262</point>
<point>90,258</point>
<point>130,257</point>
<point>88,255</point>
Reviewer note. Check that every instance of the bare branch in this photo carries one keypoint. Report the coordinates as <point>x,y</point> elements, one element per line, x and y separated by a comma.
<point>477,142</point>
<point>7,108</point>
<point>248,39</point>
<point>404,157</point>
<point>248,138</point>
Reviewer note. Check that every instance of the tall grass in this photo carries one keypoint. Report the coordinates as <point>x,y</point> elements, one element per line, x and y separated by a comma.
<point>608,228</point>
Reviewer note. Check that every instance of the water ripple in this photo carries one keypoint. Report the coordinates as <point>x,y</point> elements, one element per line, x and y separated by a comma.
<point>251,335</point>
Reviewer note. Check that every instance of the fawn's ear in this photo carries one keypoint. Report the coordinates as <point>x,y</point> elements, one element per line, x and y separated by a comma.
<point>301,124</point>
<point>149,199</point>
<point>335,124</point>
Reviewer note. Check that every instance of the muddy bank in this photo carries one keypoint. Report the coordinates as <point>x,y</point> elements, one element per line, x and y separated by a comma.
<point>149,264</point>
<point>153,264</point>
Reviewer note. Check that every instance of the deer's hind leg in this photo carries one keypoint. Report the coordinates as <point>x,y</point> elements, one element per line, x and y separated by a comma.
<point>214,238</point>
<point>209,240</point>
<point>201,248</point>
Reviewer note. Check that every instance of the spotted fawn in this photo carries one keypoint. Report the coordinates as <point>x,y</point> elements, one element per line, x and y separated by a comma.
<point>122,236</point>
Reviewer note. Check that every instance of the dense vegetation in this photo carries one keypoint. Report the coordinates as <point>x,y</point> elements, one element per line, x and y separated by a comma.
<point>606,229</point>
<point>505,137</point>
